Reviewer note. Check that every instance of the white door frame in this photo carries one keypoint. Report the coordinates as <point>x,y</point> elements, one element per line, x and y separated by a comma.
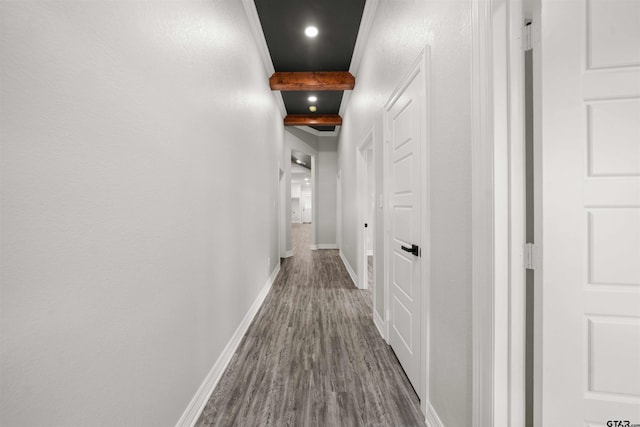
<point>421,64</point>
<point>282,207</point>
<point>314,197</point>
<point>362,178</point>
<point>498,213</point>
<point>339,211</point>
<point>314,203</point>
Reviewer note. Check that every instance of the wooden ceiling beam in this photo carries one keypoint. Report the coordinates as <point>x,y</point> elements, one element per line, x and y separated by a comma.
<point>318,80</point>
<point>313,120</point>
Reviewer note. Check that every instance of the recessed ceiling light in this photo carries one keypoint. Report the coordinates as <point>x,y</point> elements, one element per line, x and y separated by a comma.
<point>312,108</point>
<point>311,31</point>
<point>313,98</point>
<point>307,183</point>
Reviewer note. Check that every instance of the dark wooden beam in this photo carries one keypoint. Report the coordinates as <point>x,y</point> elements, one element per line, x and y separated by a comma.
<point>322,80</point>
<point>313,120</point>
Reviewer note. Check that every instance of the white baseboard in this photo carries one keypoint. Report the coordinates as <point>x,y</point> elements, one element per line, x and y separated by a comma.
<point>197,404</point>
<point>352,274</point>
<point>324,246</point>
<point>377,320</point>
<point>370,252</point>
<point>432,419</point>
<point>289,254</point>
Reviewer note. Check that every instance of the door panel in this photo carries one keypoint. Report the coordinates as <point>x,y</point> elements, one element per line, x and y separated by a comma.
<point>403,123</point>
<point>402,322</point>
<point>590,318</point>
<point>403,279</point>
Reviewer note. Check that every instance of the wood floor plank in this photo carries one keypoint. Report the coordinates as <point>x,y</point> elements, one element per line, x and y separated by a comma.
<point>312,356</point>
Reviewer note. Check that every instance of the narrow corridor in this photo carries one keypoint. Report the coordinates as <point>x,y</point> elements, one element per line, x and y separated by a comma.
<point>312,356</point>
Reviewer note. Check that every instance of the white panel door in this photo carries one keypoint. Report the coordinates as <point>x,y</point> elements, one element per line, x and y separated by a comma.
<point>590,297</point>
<point>404,119</point>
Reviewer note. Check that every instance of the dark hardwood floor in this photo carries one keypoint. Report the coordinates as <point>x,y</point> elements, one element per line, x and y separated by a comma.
<point>312,356</point>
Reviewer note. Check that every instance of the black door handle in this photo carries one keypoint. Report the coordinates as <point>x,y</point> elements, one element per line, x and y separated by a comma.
<point>414,249</point>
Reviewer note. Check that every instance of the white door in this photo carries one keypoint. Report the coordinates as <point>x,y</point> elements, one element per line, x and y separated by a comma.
<point>404,120</point>
<point>589,360</point>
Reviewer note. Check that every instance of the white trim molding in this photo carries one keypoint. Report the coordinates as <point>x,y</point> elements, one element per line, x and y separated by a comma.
<point>362,176</point>
<point>352,274</point>
<point>483,200</point>
<point>323,246</point>
<point>289,254</point>
<point>377,320</point>
<point>368,14</point>
<point>200,399</point>
<point>432,419</point>
<point>346,96</point>
<point>497,163</point>
<point>263,49</point>
<point>366,22</point>
<point>256,29</point>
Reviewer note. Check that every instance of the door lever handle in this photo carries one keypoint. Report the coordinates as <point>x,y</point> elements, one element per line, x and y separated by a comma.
<point>414,249</point>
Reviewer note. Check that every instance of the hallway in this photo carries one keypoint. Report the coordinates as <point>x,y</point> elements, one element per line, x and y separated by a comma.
<point>312,356</point>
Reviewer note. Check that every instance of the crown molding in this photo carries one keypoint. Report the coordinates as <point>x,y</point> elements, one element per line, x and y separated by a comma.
<point>363,35</point>
<point>346,96</point>
<point>261,44</point>
<point>368,14</point>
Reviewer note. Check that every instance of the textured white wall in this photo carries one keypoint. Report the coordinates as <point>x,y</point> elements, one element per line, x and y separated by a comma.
<point>130,248</point>
<point>399,33</point>
<point>327,170</point>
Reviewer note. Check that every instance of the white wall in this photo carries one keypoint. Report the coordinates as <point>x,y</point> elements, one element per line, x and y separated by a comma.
<point>399,32</point>
<point>326,207</point>
<point>130,251</point>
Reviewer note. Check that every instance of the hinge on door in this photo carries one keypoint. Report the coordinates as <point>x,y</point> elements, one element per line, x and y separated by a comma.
<point>529,256</point>
<point>526,37</point>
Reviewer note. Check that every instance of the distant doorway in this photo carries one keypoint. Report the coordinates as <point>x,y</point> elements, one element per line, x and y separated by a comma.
<point>301,188</point>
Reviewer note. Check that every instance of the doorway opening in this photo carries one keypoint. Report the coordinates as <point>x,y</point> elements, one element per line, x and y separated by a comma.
<point>282,206</point>
<point>366,210</point>
<point>301,199</point>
